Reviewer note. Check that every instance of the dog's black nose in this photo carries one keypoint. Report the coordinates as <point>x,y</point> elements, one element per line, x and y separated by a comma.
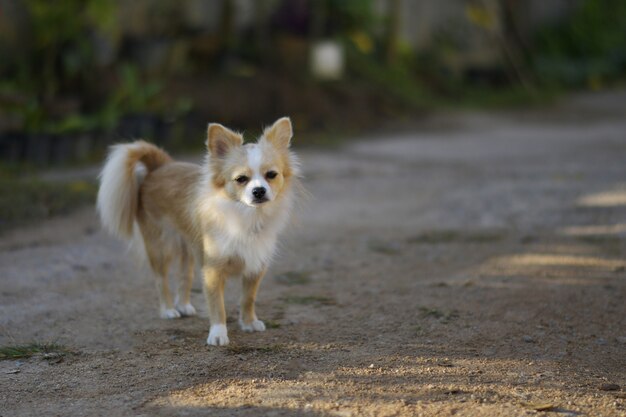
<point>258,192</point>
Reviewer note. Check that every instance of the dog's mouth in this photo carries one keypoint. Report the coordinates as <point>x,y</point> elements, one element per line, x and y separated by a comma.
<point>259,201</point>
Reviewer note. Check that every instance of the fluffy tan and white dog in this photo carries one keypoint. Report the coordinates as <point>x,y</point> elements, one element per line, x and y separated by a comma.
<point>225,215</point>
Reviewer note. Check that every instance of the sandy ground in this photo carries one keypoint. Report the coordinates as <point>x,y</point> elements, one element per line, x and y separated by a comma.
<point>472,267</point>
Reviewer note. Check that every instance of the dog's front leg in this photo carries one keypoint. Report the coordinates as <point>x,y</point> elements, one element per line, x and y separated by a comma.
<point>214,280</point>
<point>247,317</point>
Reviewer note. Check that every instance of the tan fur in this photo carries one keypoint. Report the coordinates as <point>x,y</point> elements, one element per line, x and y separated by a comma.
<point>189,214</point>
<point>236,164</point>
<point>119,184</point>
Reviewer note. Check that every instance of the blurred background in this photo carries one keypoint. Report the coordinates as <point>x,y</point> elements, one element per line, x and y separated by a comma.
<point>78,75</point>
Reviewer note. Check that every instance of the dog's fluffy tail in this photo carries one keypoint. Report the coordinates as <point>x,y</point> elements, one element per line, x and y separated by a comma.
<point>119,184</point>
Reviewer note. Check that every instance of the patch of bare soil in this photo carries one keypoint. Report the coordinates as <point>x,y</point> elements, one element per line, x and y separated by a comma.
<point>475,271</point>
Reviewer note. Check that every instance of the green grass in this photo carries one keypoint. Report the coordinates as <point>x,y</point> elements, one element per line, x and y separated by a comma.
<point>24,201</point>
<point>28,350</point>
<point>243,350</point>
<point>383,247</point>
<point>609,245</point>
<point>271,324</point>
<point>443,316</point>
<point>431,312</point>
<point>600,239</point>
<point>294,278</point>
<point>309,300</point>
<point>456,236</point>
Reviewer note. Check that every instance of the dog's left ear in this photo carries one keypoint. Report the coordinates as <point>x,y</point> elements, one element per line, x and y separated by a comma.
<point>280,133</point>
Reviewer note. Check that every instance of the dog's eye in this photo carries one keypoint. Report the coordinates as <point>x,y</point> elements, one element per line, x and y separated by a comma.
<point>270,175</point>
<point>242,179</point>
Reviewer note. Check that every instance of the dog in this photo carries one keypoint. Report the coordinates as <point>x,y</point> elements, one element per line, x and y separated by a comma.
<point>224,215</point>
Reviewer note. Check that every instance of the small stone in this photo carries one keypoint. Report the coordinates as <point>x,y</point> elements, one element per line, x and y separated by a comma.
<point>371,366</point>
<point>542,406</point>
<point>453,391</point>
<point>609,387</point>
<point>53,357</point>
<point>523,395</point>
<point>528,339</point>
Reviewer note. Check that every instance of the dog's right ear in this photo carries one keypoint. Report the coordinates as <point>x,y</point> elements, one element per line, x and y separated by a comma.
<point>220,140</point>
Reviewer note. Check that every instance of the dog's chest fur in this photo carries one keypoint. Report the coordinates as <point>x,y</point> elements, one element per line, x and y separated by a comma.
<point>234,233</point>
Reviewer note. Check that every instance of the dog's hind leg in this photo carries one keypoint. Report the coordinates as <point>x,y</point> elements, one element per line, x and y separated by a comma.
<point>187,272</point>
<point>167,309</point>
<point>160,262</point>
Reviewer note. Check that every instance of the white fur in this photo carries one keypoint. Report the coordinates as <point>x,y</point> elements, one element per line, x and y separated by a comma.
<point>186,309</point>
<point>256,326</point>
<point>255,159</point>
<point>248,235</point>
<point>244,232</point>
<point>218,335</point>
<point>169,313</point>
<point>115,190</point>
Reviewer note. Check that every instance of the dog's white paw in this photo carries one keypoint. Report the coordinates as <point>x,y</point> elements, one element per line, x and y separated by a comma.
<point>218,335</point>
<point>186,310</point>
<point>256,326</point>
<point>169,313</point>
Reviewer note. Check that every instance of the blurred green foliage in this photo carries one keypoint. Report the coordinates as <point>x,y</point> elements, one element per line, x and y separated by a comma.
<point>78,72</point>
<point>587,49</point>
<point>130,96</point>
<point>59,86</point>
<point>399,81</point>
<point>133,95</point>
<point>61,52</point>
<point>347,16</point>
<point>59,61</point>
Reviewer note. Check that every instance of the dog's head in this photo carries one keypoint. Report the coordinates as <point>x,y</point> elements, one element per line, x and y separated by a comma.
<point>256,173</point>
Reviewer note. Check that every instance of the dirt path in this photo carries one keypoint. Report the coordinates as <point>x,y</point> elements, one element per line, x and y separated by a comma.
<point>475,268</point>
